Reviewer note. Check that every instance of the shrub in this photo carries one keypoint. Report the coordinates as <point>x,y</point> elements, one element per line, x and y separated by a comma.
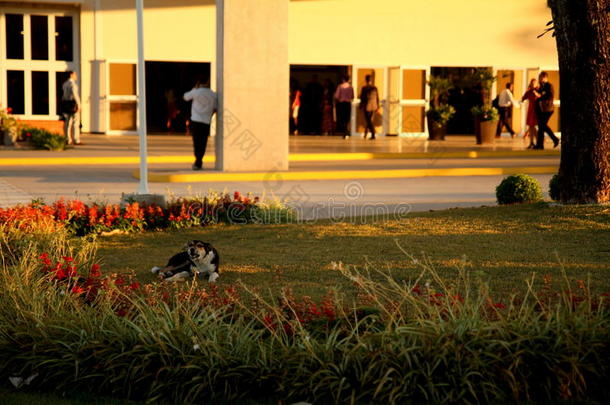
<point>518,188</point>
<point>554,188</point>
<point>43,139</point>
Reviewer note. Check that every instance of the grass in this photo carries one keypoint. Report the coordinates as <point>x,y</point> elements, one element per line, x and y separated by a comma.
<point>502,245</point>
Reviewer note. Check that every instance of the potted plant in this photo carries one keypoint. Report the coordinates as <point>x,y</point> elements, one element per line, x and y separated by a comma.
<point>485,116</point>
<point>440,111</point>
<point>487,119</point>
<point>9,126</point>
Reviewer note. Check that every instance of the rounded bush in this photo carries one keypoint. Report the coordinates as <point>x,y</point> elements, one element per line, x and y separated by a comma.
<point>518,188</point>
<point>554,188</point>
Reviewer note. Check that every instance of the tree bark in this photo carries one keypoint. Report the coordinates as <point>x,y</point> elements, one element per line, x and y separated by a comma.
<point>582,31</point>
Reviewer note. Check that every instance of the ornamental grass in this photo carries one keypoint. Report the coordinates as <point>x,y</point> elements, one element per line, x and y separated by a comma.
<point>415,341</point>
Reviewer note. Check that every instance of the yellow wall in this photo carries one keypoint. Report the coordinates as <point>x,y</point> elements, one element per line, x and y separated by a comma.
<point>176,30</point>
<point>421,32</point>
<point>384,32</point>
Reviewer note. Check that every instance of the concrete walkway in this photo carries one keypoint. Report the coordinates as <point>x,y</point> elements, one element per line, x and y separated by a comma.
<point>103,146</point>
<point>452,173</point>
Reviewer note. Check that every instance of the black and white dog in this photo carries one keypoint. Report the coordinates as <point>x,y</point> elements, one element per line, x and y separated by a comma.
<point>198,257</point>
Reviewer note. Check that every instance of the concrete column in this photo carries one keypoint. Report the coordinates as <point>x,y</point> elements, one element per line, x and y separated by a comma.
<point>253,85</point>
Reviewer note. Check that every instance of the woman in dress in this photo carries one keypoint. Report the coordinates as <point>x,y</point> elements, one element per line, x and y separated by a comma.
<point>531,95</point>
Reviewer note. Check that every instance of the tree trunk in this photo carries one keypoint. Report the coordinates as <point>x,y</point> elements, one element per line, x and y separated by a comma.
<point>582,30</point>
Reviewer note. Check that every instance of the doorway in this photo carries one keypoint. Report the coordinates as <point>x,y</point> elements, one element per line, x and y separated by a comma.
<point>462,97</point>
<point>316,85</point>
<point>166,83</point>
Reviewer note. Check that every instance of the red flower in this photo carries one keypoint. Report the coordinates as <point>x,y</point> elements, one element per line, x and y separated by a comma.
<point>77,289</point>
<point>134,286</point>
<point>9,110</point>
<point>68,259</point>
<point>95,271</point>
<point>61,274</point>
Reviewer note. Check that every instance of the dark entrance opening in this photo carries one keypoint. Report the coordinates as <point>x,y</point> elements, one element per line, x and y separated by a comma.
<point>315,86</point>
<point>166,83</point>
<point>464,95</point>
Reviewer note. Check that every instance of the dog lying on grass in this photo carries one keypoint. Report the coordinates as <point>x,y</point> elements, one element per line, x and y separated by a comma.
<point>196,258</point>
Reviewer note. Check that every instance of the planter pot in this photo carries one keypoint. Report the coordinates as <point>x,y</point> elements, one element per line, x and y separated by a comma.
<point>9,136</point>
<point>488,132</point>
<point>436,133</point>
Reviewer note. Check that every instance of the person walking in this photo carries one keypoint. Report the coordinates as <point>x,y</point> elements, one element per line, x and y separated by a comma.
<point>505,104</point>
<point>544,110</point>
<point>531,95</point>
<point>344,95</point>
<point>369,104</point>
<point>70,109</point>
<point>203,107</point>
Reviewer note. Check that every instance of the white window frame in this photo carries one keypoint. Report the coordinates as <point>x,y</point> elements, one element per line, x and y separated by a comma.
<point>108,98</point>
<point>27,65</point>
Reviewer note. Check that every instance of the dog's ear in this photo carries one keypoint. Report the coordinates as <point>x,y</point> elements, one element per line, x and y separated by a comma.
<point>186,245</point>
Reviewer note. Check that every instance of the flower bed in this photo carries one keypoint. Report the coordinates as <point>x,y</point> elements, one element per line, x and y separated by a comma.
<point>82,219</point>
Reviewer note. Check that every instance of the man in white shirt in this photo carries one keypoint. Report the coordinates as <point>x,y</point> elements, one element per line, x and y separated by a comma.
<point>506,102</point>
<point>202,109</point>
<point>70,109</point>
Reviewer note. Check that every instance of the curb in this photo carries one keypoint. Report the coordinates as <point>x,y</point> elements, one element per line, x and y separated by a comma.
<point>293,157</point>
<point>164,177</point>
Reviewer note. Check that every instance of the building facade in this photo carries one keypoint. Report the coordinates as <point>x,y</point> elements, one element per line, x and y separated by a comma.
<point>400,42</point>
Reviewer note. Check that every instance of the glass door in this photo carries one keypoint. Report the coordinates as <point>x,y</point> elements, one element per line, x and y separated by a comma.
<point>121,97</point>
<point>414,95</point>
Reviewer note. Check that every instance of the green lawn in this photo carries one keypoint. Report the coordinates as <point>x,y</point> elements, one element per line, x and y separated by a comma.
<point>504,245</point>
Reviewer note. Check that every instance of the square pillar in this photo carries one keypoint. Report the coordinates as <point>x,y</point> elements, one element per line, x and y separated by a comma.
<point>252,79</point>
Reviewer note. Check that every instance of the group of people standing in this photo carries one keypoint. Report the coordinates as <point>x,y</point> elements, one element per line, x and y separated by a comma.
<point>326,109</point>
<point>540,96</point>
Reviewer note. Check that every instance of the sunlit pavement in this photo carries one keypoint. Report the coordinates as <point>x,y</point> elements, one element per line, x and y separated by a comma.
<point>314,198</point>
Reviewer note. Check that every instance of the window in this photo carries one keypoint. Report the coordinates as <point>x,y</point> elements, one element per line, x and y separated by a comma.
<point>40,93</point>
<point>63,38</point>
<point>39,26</point>
<point>14,36</point>
<point>15,91</point>
<point>39,46</point>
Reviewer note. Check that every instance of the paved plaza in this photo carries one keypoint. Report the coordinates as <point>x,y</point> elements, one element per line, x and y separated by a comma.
<point>103,169</point>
